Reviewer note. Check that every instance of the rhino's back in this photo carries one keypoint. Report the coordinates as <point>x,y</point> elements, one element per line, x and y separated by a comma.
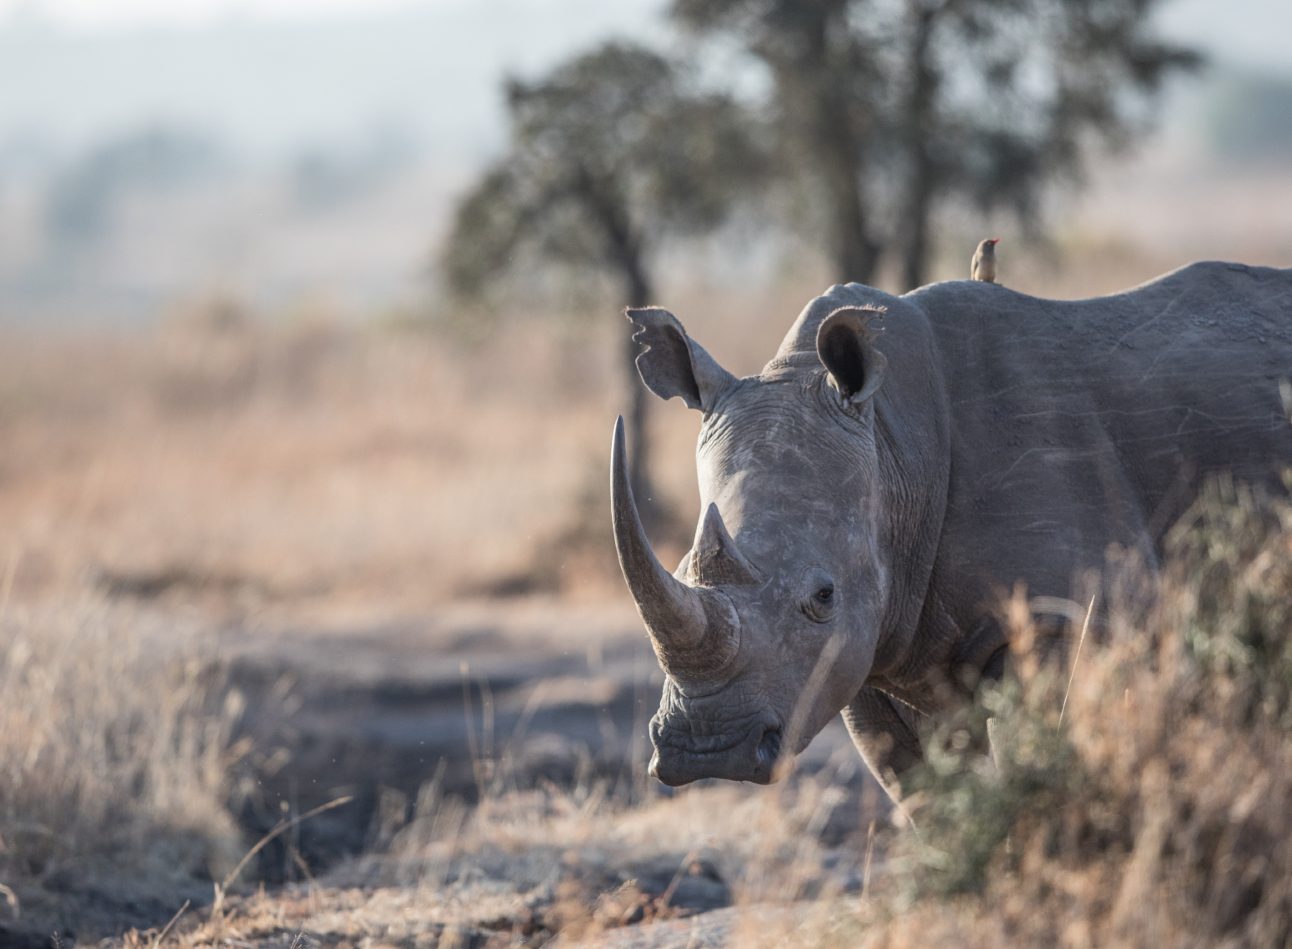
<point>1079,423</point>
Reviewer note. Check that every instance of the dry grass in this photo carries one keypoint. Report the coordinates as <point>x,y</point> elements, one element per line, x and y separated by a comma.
<point>116,766</point>
<point>270,465</point>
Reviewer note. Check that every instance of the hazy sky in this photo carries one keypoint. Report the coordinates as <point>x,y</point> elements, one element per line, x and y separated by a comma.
<point>275,76</point>
<point>101,14</point>
<point>285,85</point>
<point>1256,31</point>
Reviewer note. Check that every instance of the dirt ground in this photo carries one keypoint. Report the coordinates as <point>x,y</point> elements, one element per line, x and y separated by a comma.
<point>483,698</point>
<point>532,713</point>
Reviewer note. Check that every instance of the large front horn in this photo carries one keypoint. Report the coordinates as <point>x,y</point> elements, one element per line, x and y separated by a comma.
<point>694,631</point>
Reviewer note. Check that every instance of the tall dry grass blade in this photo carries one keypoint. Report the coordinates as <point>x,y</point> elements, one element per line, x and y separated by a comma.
<point>533,703</point>
<point>683,868</point>
<point>161,936</point>
<point>473,745</point>
<point>6,584</point>
<point>870,853</point>
<point>485,765</point>
<point>277,830</point>
<point>1085,626</point>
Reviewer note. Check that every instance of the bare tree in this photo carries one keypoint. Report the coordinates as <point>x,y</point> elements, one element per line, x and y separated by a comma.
<point>824,100</point>
<point>609,155</point>
<point>890,108</point>
<point>1000,98</point>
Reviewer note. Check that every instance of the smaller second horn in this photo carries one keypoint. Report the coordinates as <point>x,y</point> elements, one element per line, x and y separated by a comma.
<point>715,559</point>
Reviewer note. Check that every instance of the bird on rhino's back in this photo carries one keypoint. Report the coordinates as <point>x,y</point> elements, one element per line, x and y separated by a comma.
<point>982,266</point>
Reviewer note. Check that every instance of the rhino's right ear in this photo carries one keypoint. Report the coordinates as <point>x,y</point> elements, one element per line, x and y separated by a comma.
<point>671,363</point>
<point>845,344</point>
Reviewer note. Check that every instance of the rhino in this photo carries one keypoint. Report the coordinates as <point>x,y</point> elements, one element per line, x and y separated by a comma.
<point>899,464</point>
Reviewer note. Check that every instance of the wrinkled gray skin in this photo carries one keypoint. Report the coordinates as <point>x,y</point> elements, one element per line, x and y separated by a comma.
<point>873,493</point>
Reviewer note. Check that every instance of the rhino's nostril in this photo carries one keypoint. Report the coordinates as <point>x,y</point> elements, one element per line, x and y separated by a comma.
<point>769,747</point>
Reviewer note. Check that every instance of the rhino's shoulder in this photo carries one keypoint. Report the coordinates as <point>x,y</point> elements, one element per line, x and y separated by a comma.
<point>1222,279</point>
<point>1221,274</point>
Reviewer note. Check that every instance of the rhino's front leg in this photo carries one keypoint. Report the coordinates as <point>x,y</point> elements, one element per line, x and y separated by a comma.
<point>885,733</point>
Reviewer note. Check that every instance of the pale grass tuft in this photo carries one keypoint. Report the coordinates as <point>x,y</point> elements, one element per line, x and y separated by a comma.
<point>115,760</point>
<point>1076,658</point>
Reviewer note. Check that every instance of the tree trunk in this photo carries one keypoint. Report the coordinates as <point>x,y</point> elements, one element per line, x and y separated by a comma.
<point>855,254</point>
<point>623,250</point>
<point>915,255</point>
<point>835,129</point>
<point>923,181</point>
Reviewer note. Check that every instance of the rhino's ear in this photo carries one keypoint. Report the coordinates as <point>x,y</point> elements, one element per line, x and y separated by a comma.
<point>845,345</point>
<point>671,363</point>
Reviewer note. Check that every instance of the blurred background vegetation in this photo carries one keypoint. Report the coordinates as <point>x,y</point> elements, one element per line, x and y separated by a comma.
<point>450,163</point>
<point>148,153</point>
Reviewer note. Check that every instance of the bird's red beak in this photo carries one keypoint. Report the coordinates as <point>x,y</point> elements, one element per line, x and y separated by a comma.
<point>995,240</point>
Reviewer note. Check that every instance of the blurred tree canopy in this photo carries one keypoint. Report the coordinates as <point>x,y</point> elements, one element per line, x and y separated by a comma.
<point>610,155</point>
<point>879,114</point>
<point>888,108</point>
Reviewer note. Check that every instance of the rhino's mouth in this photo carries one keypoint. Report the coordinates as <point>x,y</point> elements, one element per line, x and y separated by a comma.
<point>680,758</point>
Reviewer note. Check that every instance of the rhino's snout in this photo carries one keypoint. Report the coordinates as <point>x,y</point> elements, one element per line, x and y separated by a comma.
<point>750,754</point>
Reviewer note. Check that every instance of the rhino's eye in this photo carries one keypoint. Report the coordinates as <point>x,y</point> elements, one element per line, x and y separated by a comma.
<point>819,605</point>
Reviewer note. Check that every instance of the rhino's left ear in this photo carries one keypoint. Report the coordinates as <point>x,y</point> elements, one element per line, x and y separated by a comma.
<point>845,346</point>
<point>671,363</point>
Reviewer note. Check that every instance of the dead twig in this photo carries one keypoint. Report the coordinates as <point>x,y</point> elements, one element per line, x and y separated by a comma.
<point>161,936</point>
<point>1085,626</point>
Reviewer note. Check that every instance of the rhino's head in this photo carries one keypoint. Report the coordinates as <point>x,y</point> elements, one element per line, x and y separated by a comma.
<point>769,625</point>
